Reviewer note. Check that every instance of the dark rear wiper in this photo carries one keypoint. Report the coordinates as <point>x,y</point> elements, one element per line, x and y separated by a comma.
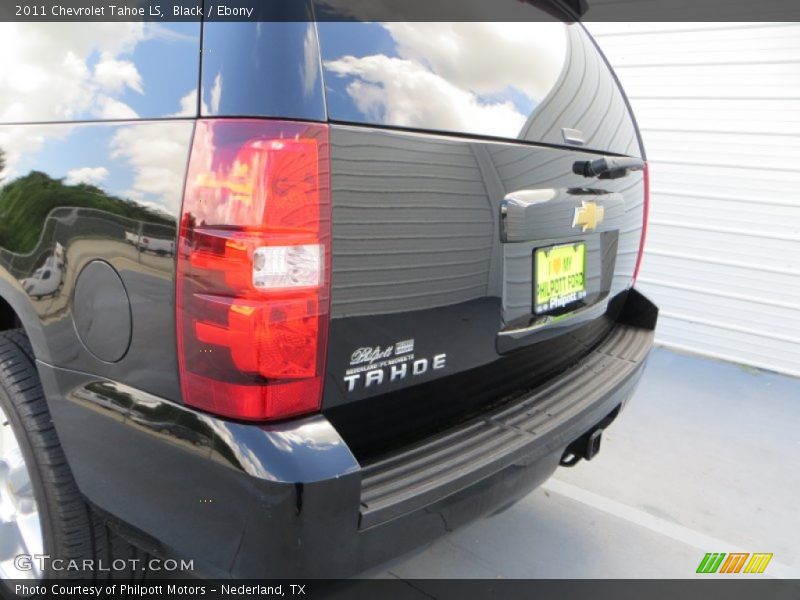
<point>607,168</point>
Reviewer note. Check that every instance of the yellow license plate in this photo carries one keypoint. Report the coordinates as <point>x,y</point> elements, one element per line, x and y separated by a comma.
<point>559,276</point>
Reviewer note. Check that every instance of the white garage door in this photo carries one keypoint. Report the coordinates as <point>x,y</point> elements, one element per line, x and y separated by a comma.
<point>719,109</point>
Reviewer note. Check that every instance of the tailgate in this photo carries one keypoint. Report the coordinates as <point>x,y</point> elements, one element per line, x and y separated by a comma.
<point>470,261</point>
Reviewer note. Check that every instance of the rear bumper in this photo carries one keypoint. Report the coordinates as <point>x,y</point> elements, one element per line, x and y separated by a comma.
<point>290,500</point>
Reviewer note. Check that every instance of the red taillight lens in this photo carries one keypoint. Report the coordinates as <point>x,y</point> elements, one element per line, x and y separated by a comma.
<point>254,269</point>
<point>645,216</point>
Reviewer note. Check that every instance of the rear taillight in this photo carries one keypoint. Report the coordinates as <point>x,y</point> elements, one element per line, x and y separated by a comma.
<point>645,216</point>
<point>254,269</point>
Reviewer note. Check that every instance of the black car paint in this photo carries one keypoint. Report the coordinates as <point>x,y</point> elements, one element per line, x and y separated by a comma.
<point>398,270</point>
<point>121,412</point>
<point>221,493</point>
<point>100,225</point>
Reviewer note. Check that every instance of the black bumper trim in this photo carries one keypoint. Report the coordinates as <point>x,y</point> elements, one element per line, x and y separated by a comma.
<point>543,420</point>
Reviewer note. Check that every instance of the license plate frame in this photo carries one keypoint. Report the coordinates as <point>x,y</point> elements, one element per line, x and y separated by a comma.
<point>553,292</point>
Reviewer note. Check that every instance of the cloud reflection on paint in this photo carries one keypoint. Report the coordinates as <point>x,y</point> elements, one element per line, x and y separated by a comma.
<point>482,78</point>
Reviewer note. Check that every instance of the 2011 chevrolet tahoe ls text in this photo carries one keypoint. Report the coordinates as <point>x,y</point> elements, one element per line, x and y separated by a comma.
<point>312,297</point>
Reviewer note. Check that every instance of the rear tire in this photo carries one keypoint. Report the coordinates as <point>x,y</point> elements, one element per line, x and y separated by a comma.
<point>70,529</point>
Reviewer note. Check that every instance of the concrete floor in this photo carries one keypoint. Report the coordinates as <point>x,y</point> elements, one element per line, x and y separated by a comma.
<point>704,459</point>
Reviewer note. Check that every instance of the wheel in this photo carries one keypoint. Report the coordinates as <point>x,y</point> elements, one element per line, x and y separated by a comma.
<point>42,511</point>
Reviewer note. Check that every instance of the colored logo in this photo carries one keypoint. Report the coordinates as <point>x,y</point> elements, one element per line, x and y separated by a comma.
<point>588,216</point>
<point>735,562</point>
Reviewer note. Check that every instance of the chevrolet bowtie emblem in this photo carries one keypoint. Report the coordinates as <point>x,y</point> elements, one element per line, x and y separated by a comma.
<point>588,215</point>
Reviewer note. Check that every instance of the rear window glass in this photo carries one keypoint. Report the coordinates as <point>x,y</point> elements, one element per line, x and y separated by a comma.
<point>524,81</point>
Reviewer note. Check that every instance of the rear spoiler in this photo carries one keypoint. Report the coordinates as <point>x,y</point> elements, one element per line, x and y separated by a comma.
<point>567,11</point>
<point>579,7</point>
<point>557,8</point>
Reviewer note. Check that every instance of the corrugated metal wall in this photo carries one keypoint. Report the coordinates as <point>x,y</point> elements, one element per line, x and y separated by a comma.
<point>719,109</point>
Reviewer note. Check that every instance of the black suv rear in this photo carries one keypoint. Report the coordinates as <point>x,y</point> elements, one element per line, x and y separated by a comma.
<point>368,283</point>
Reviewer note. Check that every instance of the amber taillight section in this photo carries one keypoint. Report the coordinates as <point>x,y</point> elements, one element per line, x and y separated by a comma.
<point>253,274</point>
